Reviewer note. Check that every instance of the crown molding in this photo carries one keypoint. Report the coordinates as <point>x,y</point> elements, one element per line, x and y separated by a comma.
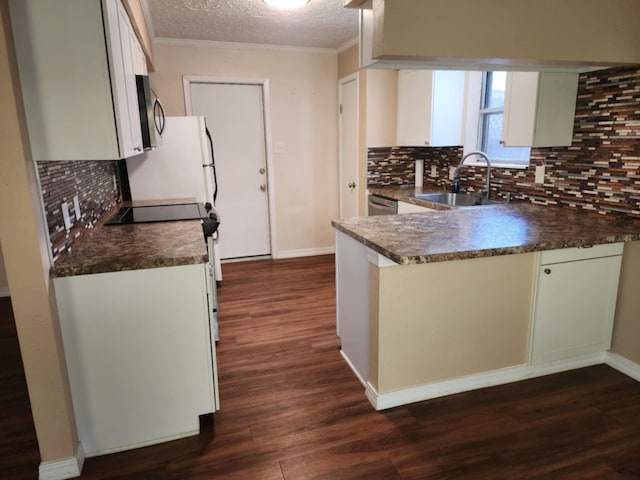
<point>347,45</point>
<point>242,46</point>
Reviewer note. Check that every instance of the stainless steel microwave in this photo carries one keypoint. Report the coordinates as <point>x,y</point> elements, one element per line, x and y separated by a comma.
<point>152,115</point>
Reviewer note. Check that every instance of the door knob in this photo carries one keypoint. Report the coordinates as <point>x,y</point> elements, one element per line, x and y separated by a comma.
<point>262,171</point>
<point>263,187</point>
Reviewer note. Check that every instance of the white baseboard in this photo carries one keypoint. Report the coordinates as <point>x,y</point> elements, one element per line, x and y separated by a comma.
<point>382,401</point>
<point>4,292</point>
<point>623,365</point>
<point>305,252</point>
<point>62,469</point>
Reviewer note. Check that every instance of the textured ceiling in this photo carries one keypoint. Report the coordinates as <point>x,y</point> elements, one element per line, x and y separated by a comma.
<point>320,24</point>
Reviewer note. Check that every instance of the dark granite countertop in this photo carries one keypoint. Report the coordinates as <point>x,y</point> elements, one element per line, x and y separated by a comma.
<point>455,234</point>
<point>115,248</point>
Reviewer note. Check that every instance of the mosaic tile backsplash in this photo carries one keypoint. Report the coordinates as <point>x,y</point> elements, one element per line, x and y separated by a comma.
<point>599,172</point>
<point>94,182</point>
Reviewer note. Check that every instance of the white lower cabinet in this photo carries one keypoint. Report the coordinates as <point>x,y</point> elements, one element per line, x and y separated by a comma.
<point>575,302</point>
<point>405,207</point>
<point>139,355</point>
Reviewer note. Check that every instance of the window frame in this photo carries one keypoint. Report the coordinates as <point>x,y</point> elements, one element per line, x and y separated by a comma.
<point>476,91</point>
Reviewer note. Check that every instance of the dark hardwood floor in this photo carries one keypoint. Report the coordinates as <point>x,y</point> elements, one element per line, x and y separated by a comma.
<point>292,409</point>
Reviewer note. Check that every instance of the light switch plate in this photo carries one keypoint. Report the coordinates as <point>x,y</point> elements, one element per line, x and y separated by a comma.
<point>76,207</point>
<point>434,171</point>
<point>539,174</point>
<point>452,172</point>
<point>65,215</point>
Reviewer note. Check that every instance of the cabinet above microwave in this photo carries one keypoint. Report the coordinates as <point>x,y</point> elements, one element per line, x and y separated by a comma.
<point>77,61</point>
<point>516,35</point>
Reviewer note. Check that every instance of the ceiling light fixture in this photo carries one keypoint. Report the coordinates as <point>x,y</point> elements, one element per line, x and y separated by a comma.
<point>286,4</point>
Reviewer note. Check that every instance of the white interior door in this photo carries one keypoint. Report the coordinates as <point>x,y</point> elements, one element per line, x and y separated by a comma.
<point>349,146</point>
<point>235,117</point>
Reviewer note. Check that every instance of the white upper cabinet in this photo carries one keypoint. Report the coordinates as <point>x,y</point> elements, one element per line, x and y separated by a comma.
<point>122,34</point>
<point>78,82</point>
<point>434,35</point>
<point>539,109</point>
<point>430,108</point>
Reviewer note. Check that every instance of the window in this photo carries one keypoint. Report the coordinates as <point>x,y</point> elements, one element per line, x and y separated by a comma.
<point>488,123</point>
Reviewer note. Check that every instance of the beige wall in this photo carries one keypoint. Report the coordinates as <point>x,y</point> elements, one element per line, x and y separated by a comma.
<point>304,111</point>
<point>382,107</point>
<point>26,261</point>
<point>443,320</point>
<point>626,331</point>
<point>601,32</point>
<point>348,62</point>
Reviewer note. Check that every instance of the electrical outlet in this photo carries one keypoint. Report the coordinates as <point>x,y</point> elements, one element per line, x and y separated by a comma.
<point>76,207</point>
<point>452,172</point>
<point>115,184</point>
<point>280,147</point>
<point>539,174</point>
<point>65,215</point>
<point>434,171</point>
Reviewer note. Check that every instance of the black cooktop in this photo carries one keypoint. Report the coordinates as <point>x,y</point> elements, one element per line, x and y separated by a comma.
<point>158,213</point>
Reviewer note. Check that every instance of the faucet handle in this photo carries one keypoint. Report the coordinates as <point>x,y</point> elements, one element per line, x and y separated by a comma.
<point>455,187</point>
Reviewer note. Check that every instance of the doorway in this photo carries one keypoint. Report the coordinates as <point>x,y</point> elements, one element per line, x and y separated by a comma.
<point>348,140</point>
<point>235,114</point>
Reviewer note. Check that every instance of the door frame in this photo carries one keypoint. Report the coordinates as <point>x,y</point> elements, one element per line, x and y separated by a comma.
<point>187,80</point>
<point>341,160</point>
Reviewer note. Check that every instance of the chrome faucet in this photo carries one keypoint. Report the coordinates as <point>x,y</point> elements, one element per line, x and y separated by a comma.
<point>456,174</point>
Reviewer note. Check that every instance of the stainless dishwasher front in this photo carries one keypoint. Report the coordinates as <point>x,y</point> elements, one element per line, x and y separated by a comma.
<point>382,206</point>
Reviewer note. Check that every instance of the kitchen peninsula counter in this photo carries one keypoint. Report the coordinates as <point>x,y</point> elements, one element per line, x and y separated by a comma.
<point>483,231</point>
<point>441,302</point>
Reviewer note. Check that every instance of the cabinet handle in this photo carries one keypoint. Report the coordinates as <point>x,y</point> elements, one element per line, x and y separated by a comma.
<point>426,142</point>
<point>137,149</point>
<point>501,142</point>
<point>547,271</point>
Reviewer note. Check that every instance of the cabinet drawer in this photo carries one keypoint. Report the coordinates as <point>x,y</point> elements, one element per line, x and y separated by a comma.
<point>572,254</point>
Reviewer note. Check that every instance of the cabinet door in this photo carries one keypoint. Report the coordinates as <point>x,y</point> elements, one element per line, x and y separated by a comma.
<point>140,60</point>
<point>539,109</point>
<point>447,108</point>
<point>66,80</point>
<point>128,102</point>
<point>415,89</point>
<point>574,308</point>
<point>430,108</point>
<point>140,369</point>
<point>521,95</point>
<point>404,207</point>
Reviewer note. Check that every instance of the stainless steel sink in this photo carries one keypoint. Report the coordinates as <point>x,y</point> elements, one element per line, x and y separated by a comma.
<point>456,199</point>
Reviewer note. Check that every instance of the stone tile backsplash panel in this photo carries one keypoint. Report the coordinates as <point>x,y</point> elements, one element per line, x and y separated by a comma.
<point>96,185</point>
<point>599,172</point>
